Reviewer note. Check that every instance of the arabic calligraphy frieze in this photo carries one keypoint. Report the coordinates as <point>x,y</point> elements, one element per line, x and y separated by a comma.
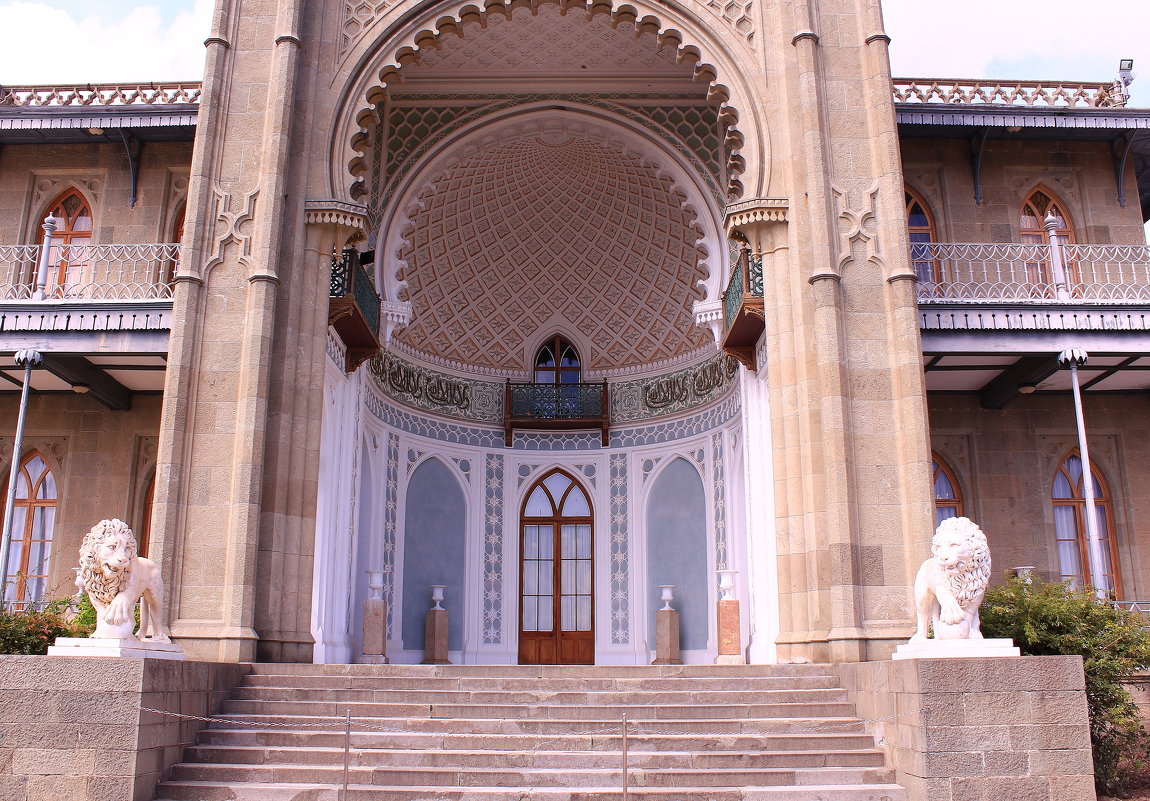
<point>432,391</point>
<point>675,392</point>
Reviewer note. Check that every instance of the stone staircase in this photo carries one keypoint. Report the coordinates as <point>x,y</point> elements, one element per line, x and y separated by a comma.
<point>509,733</point>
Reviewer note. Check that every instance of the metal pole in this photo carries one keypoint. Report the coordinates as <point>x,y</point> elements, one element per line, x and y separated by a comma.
<point>29,358</point>
<point>49,227</point>
<point>1075,358</point>
<point>346,753</point>
<point>626,770</point>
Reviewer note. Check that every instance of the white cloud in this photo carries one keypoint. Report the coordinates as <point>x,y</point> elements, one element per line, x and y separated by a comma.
<point>1056,39</point>
<point>45,45</point>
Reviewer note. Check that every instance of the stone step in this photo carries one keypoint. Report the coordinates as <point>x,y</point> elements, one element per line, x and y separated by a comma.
<point>542,711</point>
<point>543,671</point>
<point>557,697</point>
<point>319,738</point>
<point>525,777</point>
<point>551,759</point>
<point>526,684</point>
<point>529,726</point>
<point>267,791</point>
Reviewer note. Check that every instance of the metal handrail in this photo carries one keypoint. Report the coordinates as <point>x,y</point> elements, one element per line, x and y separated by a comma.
<point>746,281</point>
<point>88,272</point>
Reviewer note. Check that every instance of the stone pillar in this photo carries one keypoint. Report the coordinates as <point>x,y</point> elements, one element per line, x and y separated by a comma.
<point>667,631</point>
<point>435,631</point>
<point>850,450</point>
<point>729,623</point>
<point>373,650</point>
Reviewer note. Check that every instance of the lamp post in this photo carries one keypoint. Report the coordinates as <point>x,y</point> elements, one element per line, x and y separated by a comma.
<point>1075,358</point>
<point>28,359</point>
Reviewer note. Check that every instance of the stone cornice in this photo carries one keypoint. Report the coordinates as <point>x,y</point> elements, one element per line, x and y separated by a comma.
<point>759,209</point>
<point>335,212</point>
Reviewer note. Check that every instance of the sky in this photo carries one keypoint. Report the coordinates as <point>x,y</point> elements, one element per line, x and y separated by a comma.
<point>108,41</point>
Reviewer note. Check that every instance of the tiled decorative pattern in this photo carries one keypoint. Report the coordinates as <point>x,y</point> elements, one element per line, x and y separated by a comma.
<point>489,258</point>
<point>620,553</point>
<point>493,550</point>
<point>719,479</point>
<point>390,527</point>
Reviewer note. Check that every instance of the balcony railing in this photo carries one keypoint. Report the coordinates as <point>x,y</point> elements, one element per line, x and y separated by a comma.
<point>87,272</point>
<point>555,407</point>
<point>743,315</point>
<point>956,272</point>
<point>353,309</point>
<point>1061,94</point>
<point>105,94</point>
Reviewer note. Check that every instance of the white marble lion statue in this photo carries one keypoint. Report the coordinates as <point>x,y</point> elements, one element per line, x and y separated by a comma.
<point>115,579</point>
<point>949,587</point>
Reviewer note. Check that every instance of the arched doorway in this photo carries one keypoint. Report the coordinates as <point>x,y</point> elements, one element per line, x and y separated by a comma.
<point>556,597</point>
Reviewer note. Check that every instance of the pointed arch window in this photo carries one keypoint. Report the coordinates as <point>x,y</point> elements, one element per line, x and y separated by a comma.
<point>68,255</point>
<point>920,228</point>
<point>947,495</point>
<point>33,520</point>
<point>1070,532</point>
<point>1032,231</point>
<point>557,362</point>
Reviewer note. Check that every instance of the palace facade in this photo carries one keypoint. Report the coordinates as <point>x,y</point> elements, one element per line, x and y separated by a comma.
<point>552,304</point>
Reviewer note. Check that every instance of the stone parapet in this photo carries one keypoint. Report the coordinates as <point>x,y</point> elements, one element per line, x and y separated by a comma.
<point>979,728</point>
<point>74,727</point>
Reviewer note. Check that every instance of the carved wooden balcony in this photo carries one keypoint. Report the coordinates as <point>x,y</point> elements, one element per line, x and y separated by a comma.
<point>555,407</point>
<point>353,310</point>
<point>743,316</point>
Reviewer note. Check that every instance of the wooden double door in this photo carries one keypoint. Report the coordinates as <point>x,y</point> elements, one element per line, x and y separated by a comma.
<point>556,574</point>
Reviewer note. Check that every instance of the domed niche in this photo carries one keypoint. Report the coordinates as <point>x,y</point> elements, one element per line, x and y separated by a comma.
<point>551,228</point>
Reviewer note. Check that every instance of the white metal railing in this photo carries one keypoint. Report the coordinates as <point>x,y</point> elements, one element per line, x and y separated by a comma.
<point>107,94</point>
<point>1049,271</point>
<point>1061,94</point>
<point>1137,607</point>
<point>87,272</point>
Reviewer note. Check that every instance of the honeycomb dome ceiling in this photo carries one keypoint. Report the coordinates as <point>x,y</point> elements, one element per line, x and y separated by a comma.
<point>546,233</point>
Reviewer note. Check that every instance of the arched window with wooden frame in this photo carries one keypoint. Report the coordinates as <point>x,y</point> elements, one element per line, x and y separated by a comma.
<point>169,268</point>
<point>1070,533</point>
<point>68,257</point>
<point>1032,231</point>
<point>556,570</point>
<point>947,493</point>
<point>921,230</point>
<point>557,362</point>
<point>33,521</point>
<point>144,528</point>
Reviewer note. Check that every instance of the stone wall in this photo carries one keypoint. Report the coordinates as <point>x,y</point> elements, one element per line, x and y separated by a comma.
<point>73,728</point>
<point>102,461</point>
<point>1005,461</point>
<point>991,728</point>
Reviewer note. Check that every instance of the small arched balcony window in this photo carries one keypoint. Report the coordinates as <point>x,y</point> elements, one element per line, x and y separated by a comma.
<point>947,495</point>
<point>920,228</point>
<point>33,520</point>
<point>557,362</point>
<point>1032,231</point>
<point>68,256</point>
<point>1070,531</point>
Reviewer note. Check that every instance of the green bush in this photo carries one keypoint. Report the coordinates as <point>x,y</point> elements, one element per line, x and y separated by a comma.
<point>32,632</point>
<point>1046,618</point>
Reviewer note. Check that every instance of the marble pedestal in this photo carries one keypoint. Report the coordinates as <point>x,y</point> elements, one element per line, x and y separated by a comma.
<point>435,637</point>
<point>949,649</point>
<point>121,646</point>
<point>730,639</point>
<point>374,649</point>
<point>667,638</point>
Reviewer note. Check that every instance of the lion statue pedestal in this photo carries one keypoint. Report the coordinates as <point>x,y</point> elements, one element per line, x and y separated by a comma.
<point>947,594</point>
<point>116,579</point>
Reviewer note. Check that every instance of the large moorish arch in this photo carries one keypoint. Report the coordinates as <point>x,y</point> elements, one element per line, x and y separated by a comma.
<point>399,39</point>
